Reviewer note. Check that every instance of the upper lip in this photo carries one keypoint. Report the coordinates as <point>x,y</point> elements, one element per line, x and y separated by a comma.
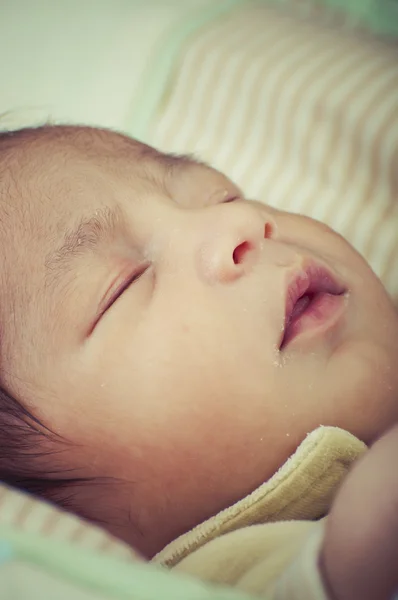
<point>311,278</point>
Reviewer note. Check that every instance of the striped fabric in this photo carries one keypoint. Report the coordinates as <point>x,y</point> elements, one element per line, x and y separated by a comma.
<point>301,112</point>
<point>28,514</point>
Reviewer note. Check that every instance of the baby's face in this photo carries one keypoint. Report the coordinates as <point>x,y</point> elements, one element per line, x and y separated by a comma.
<point>150,302</point>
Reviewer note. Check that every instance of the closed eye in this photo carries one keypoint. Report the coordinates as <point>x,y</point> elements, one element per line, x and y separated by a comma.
<point>118,292</point>
<point>231,199</point>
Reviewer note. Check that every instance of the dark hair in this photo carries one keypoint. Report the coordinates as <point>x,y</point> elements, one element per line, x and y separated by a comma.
<point>28,448</point>
<point>25,444</point>
<point>28,462</point>
<point>33,458</point>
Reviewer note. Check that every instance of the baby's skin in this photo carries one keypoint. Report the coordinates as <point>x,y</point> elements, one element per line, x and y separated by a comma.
<point>179,339</point>
<point>360,551</point>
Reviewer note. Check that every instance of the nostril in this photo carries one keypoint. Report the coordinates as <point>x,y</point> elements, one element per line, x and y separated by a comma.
<point>240,251</point>
<point>267,230</point>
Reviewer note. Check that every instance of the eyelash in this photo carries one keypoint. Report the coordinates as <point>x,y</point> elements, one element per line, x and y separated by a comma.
<point>120,290</point>
<point>231,199</point>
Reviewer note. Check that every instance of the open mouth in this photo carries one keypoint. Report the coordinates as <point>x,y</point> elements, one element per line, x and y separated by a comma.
<point>313,298</point>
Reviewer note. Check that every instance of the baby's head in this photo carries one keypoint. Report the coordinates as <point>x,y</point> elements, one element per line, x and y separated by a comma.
<point>154,363</point>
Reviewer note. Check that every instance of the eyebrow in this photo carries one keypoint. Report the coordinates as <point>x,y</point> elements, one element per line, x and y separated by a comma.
<point>85,237</point>
<point>94,231</point>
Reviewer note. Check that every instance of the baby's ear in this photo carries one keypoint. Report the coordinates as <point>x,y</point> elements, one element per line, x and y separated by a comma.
<point>360,552</point>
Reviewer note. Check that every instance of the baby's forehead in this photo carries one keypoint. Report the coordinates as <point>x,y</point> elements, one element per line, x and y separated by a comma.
<point>92,142</point>
<point>53,178</point>
<point>51,175</point>
<point>55,172</point>
<point>49,180</point>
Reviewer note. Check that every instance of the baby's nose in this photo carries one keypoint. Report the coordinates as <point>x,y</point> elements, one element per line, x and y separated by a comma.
<point>231,241</point>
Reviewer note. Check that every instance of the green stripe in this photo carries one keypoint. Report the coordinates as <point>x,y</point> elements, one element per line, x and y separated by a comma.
<point>117,577</point>
<point>381,16</point>
<point>378,16</point>
<point>157,75</point>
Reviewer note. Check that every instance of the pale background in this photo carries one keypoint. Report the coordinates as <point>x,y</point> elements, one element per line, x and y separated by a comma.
<point>78,60</point>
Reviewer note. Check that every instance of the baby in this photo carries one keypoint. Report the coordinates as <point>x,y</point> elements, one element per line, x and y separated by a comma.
<point>167,344</point>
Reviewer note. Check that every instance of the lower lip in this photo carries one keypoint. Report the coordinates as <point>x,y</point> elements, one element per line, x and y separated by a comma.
<point>320,316</point>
